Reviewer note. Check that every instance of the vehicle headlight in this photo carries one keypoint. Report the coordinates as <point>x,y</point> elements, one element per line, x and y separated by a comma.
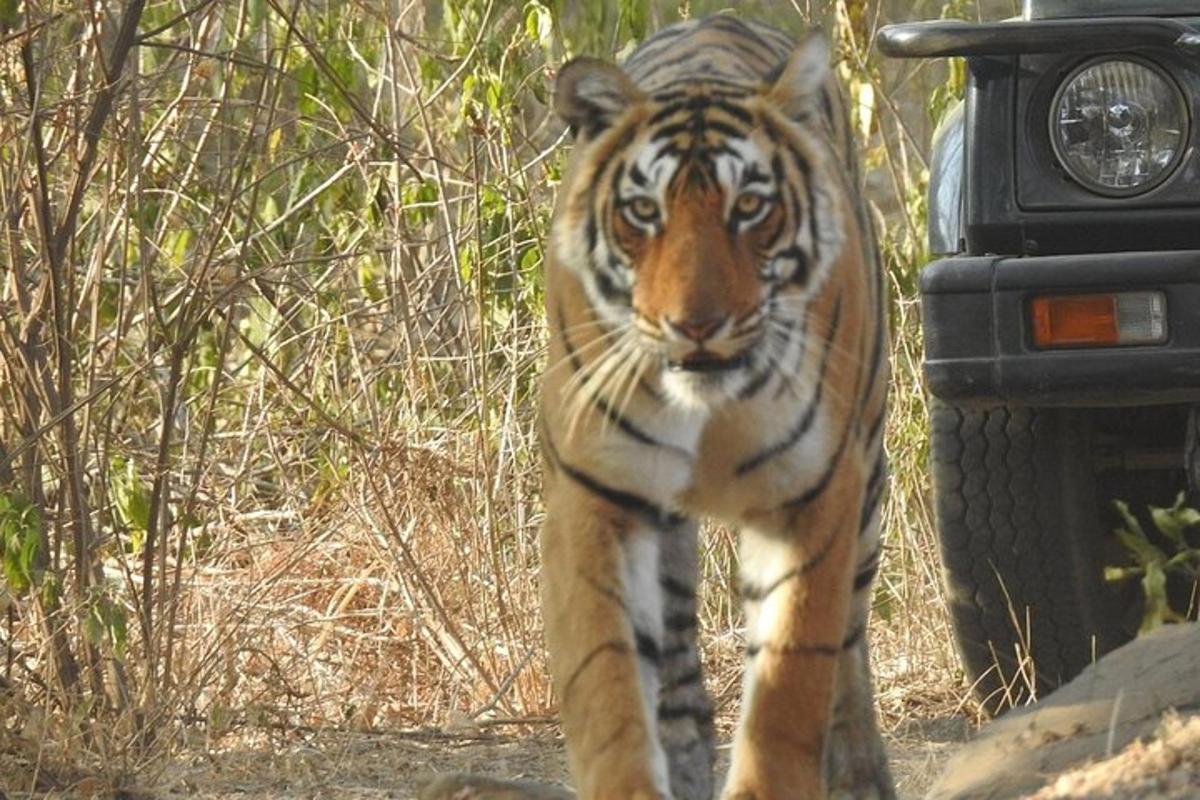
<point>1119,126</point>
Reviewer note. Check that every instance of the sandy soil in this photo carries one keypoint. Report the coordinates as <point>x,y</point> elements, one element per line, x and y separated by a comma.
<point>359,766</point>
<point>370,767</point>
<point>306,765</point>
<point>376,766</point>
<point>394,767</point>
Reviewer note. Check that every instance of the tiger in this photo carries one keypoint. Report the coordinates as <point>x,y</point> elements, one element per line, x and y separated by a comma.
<point>717,350</point>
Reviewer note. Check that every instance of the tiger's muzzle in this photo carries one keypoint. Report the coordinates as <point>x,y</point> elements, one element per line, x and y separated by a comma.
<point>712,344</point>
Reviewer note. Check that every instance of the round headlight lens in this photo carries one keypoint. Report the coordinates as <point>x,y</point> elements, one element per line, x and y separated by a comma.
<point>1119,126</point>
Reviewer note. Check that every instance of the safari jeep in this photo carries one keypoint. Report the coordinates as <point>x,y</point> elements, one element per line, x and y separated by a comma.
<point>1061,320</point>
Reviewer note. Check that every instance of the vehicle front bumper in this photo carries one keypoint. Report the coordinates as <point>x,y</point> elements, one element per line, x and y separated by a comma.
<point>978,342</point>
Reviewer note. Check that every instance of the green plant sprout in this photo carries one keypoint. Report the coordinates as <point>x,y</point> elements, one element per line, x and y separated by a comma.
<point>1154,564</point>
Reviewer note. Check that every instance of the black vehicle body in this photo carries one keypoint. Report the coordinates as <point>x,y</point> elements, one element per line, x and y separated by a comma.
<point>1012,222</point>
<point>1090,424</point>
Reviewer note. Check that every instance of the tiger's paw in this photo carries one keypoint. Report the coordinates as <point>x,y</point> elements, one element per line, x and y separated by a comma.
<point>870,785</point>
<point>864,793</point>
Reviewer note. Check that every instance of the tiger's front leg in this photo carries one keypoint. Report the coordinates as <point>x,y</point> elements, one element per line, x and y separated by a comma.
<point>602,605</point>
<point>797,575</point>
<point>685,710</point>
<point>856,760</point>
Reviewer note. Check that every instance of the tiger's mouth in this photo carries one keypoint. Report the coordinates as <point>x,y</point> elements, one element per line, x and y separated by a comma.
<point>705,378</point>
<point>704,361</point>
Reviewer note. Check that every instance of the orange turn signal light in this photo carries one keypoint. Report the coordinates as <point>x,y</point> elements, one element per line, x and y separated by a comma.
<point>1098,320</point>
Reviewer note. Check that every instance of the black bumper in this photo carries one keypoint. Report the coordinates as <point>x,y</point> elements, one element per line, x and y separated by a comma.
<point>978,344</point>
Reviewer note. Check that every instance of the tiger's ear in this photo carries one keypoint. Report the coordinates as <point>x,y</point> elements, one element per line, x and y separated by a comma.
<point>590,94</point>
<point>801,77</point>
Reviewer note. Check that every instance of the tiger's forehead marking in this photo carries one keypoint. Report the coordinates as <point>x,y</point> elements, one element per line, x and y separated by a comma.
<point>700,120</point>
<point>651,171</point>
<point>745,163</point>
<point>658,166</point>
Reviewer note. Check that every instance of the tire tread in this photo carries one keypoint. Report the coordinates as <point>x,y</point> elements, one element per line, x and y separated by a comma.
<point>999,476</point>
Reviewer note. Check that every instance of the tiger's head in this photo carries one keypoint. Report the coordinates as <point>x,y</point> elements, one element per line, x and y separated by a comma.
<point>702,218</point>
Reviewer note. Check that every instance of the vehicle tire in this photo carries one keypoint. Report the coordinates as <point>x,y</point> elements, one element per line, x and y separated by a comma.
<point>1019,517</point>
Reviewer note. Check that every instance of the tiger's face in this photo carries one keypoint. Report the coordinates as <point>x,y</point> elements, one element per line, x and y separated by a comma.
<point>699,220</point>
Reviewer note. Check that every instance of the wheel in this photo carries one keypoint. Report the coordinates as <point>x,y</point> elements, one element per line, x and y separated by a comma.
<point>1021,521</point>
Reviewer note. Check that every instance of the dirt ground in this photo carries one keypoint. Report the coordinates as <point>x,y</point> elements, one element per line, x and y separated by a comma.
<point>364,767</point>
<point>374,767</point>
<point>360,766</point>
<point>1132,719</point>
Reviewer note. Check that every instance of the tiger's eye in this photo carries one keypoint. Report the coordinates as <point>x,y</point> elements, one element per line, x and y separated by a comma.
<point>748,204</point>
<point>643,209</point>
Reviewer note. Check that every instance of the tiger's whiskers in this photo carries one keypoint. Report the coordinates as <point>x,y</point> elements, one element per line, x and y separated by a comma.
<point>581,390</point>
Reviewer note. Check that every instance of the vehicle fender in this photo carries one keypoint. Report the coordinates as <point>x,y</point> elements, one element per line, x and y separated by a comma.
<point>946,182</point>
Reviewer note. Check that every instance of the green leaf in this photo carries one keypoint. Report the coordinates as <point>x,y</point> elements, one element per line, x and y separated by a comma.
<point>369,280</point>
<point>176,244</point>
<point>93,629</point>
<point>116,627</point>
<point>1182,559</point>
<point>10,14</point>
<point>1169,523</point>
<point>1131,522</point>
<point>1174,522</point>
<point>268,211</point>
<point>495,95</point>
<point>17,582</point>
<point>50,590</point>
<point>539,24</point>
<point>131,500</point>
<point>469,85</point>
<point>31,546</point>
<point>530,262</point>
<point>1189,516</point>
<point>21,539</point>
<point>1142,549</point>
<point>1118,574</point>
<point>466,266</point>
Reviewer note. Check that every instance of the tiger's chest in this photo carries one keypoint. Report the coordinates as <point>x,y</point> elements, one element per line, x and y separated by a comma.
<point>754,459</point>
<point>731,464</point>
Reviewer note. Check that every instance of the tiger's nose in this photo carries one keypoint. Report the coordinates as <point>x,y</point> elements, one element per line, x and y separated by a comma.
<point>697,328</point>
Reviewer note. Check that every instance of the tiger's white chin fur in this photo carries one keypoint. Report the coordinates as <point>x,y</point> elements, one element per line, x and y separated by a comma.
<point>705,391</point>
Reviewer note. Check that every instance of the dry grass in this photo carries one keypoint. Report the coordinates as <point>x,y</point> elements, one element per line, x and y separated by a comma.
<point>271,396</point>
